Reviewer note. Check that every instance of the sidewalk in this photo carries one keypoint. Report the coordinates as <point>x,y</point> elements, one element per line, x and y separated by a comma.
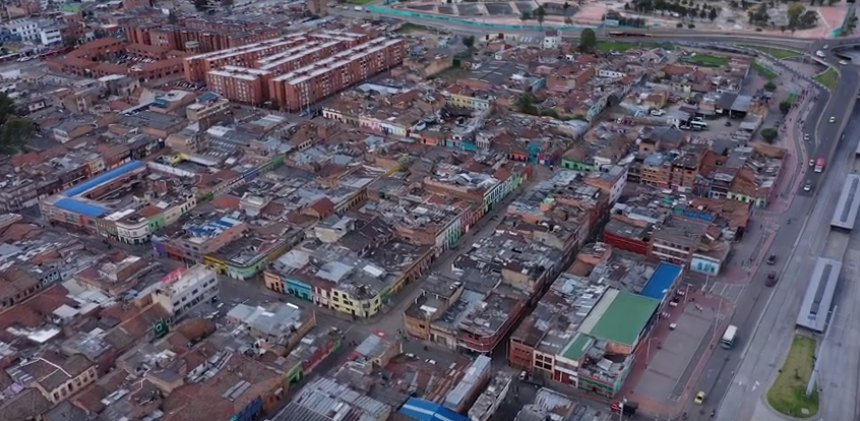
<point>672,407</point>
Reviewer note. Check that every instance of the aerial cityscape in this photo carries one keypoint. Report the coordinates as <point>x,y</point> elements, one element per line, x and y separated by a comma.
<point>418,210</point>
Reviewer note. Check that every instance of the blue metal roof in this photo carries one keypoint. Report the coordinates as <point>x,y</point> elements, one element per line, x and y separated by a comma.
<point>661,280</point>
<point>83,208</point>
<point>108,176</point>
<point>423,410</point>
<point>208,96</point>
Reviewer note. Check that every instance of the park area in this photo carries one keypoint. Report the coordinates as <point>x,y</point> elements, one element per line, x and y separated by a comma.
<point>787,395</point>
<point>778,53</point>
<point>829,78</point>
<point>619,46</point>
<point>706,60</point>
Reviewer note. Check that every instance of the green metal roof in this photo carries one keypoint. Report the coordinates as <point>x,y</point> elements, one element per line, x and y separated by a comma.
<point>576,348</point>
<point>620,318</point>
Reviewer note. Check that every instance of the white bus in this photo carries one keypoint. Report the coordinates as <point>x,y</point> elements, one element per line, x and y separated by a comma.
<point>729,337</point>
<point>698,125</point>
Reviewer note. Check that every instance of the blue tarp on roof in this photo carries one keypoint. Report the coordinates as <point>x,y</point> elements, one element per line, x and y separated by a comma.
<point>110,175</point>
<point>83,208</point>
<point>661,280</point>
<point>423,410</point>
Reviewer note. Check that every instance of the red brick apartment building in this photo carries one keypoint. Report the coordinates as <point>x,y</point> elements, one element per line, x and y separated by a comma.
<point>279,55</point>
<point>197,36</point>
<point>309,84</point>
<point>196,67</point>
<point>240,84</point>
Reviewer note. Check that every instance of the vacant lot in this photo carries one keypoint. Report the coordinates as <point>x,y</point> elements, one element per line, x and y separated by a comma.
<point>788,393</point>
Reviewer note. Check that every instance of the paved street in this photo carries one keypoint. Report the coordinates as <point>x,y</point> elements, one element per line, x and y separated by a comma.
<point>741,382</point>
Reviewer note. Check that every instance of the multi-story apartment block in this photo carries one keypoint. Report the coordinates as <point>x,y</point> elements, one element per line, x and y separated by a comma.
<point>307,85</point>
<point>183,289</point>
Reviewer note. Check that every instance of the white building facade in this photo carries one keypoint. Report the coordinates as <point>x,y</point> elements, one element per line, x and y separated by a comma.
<point>183,289</point>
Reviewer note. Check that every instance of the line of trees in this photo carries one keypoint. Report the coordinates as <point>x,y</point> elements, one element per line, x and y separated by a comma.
<point>798,16</point>
<point>539,15</point>
<point>678,8</point>
<point>625,21</point>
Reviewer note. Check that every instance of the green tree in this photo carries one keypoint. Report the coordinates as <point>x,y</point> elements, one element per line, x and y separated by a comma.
<point>14,134</point>
<point>525,103</point>
<point>795,10</point>
<point>540,15</point>
<point>14,131</point>
<point>769,134</point>
<point>712,15</point>
<point>587,40</point>
<point>525,16</point>
<point>785,106</point>
<point>202,5</point>
<point>703,14</point>
<point>469,41</point>
<point>770,87</point>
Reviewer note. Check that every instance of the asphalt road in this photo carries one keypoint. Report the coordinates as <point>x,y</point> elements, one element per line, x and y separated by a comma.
<point>736,379</point>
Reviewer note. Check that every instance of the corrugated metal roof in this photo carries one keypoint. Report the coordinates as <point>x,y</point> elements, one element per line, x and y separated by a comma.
<point>80,207</point>
<point>423,410</point>
<point>661,280</point>
<point>329,397</point>
<point>95,181</point>
<point>476,372</point>
<point>296,412</point>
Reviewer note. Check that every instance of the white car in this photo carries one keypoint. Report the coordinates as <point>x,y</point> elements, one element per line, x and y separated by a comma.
<point>820,53</point>
<point>843,62</point>
<point>433,362</point>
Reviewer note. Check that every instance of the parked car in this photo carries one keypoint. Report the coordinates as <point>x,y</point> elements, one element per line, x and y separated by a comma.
<point>771,260</point>
<point>700,398</point>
